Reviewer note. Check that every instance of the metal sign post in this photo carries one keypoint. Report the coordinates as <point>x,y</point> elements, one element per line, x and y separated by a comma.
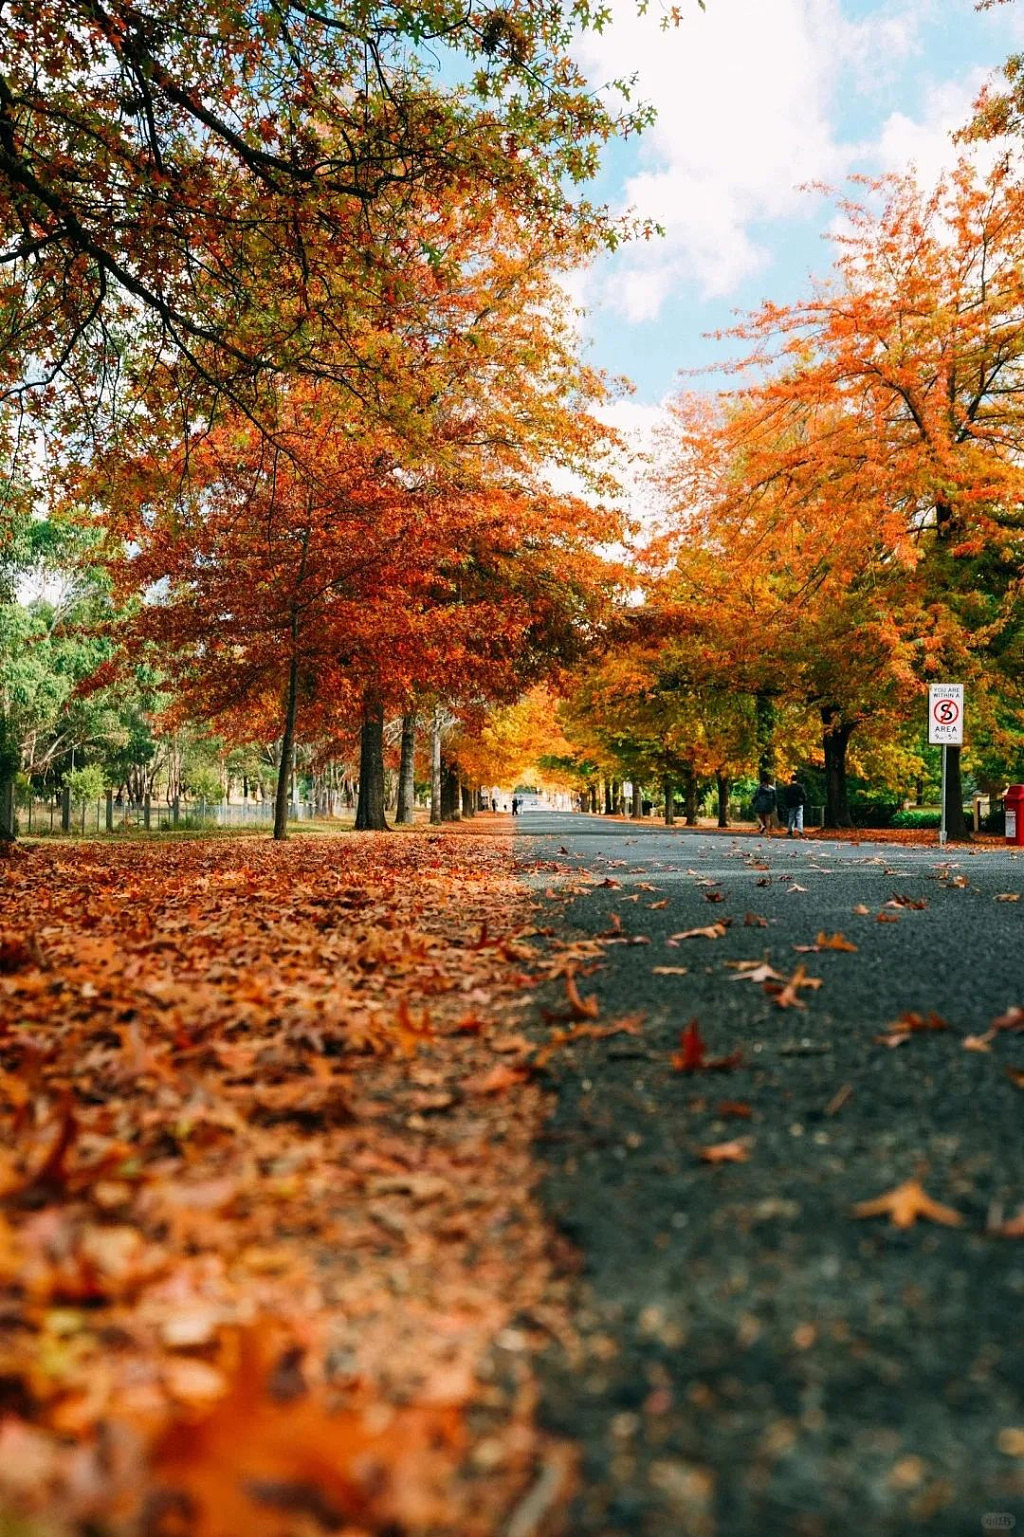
<point>945,729</point>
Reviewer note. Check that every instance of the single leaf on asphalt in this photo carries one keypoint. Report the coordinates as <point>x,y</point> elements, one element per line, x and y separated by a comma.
<point>714,896</point>
<point>692,1054</point>
<point>888,918</point>
<point>908,1024</point>
<point>978,1042</point>
<point>1013,1020</point>
<point>579,1008</point>
<point>755,921</point>
<point>657,906</point>
<point>796,887</point>
<point>861,910</point>
<point>756,971</point>
<point>1012,1228</point>
<point>712,931</point>
<point>1016,1076</point>
<point>1008,896</point>
<point>670,971</point>
<point>904,1204</point>
<point>835,941</point>
<point>917,904</point>
<point>737,1151</point>
<point>787,996</point>
<point>736,1108</point>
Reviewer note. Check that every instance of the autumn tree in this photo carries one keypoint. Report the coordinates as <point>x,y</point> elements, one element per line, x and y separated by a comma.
<point>914,349</point>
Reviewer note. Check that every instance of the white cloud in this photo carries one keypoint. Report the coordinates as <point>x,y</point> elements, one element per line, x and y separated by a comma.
<point>744,95</point>
<point>924,145</point>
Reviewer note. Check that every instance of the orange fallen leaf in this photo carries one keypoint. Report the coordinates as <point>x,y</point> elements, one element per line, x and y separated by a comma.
<point>837,941</point>
<point>862,910</point>
<point>579,1008</point>
<point>1016,1076</point>
<point>497,1080</point>
<point>755,921</point>
<point>737,1151</point>
<point>711,931</point>
<point>737,1108</point>
<point>692,1057</point>
<point>908,1024</point>
<point>904,1204</point>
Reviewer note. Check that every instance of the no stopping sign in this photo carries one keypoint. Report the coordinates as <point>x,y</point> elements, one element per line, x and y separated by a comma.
<point>946,714</point>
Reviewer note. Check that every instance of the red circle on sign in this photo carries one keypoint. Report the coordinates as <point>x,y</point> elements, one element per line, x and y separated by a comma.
<point>946,712</point>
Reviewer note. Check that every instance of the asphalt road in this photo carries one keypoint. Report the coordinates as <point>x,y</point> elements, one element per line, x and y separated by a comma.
<point>756,1362</point>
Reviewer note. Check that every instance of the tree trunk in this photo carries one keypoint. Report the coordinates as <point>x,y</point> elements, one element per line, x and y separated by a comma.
<point>450,797</point>
<point>724,784</point>
<point>835,740</point>
<point>468,806</point>
<point>669,787</point>
<point>435,767</point>
<point>593,800</point>
<point>764,711</point>
<point>956,823</point>
<point>370,806</point>
<point>8,820</point>
<point>607,797</point>
<point>406,772</point>
<point>690,797</point>
<point>284,768</point>
<point>638,794</point>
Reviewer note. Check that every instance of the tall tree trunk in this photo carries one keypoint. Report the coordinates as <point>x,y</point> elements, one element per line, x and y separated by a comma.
<point>609,807</point>
<point>450,797</point>
<point>406,772</point>
<point>593,800</point>
<point>370,806</point>
<point>764,714</point>
<point>435,767</point>
<point>690,788</point>
<point>724,784</point>
<point>284,767</point>
<point>669,788</point>
<point>468,802</point>
<point>956,823</point>
<point>637,811</point>
<point>835,740</point>
<point>8,820</point>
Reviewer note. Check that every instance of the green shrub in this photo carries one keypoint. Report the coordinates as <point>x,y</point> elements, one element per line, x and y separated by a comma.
<point>86,784</point>
<point>917,817</point>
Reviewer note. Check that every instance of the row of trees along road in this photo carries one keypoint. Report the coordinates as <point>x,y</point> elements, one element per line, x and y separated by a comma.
<point>852,525</point>
<point>277,289</point>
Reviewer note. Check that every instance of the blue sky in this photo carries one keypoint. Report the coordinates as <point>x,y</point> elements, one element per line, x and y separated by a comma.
<point>754,99</point>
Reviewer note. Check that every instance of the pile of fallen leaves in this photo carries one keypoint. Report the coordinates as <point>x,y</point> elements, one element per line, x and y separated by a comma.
<point>269,1259</point>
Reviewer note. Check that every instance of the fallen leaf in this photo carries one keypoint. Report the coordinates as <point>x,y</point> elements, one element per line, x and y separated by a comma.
<point>755,921</point>
<point>904,1204</point>
<point>908,1024</point>
<point>737,1108</point>
<point>712,931</point>
<point>758,972</point>
<point>670,971</point>
<point>1016,1076</point>
<point>1008,896</point>
<point>691,1056</point>
<point>496,1081</point>
<point>579,1008</point>
<point>887,918</point>
<point>726,1152</point>
<point>862,910</point>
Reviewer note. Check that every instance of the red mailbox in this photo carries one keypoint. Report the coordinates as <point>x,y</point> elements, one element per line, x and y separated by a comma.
<point>1013,801</point>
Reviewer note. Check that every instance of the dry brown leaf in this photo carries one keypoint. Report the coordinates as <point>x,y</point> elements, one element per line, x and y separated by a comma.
<point>711,931</point>
<point>670,971</point>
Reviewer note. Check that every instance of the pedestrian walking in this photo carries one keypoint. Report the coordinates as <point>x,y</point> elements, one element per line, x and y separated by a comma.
<point>795,798</point>
<point>515,806</point>
<point>765,804</point>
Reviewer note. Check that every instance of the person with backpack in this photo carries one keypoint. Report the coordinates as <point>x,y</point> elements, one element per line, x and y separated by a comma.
<point>794,799</point>
<point>765,804</point>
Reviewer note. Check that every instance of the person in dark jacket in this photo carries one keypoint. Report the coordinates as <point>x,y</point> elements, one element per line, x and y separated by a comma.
<point>765,805</point>
<point>795,799</point>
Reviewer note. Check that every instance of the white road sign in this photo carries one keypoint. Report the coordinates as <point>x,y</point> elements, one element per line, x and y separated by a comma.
<point>946,714</point>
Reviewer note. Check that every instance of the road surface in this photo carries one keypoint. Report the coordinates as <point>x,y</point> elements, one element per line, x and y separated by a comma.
<point>757,1362</point>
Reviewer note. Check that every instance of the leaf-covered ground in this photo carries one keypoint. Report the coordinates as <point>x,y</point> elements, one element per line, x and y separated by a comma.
<point>270,1261</point>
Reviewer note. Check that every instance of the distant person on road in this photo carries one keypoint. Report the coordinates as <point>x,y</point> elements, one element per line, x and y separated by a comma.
<point>765,804</point>
<point>515,806</point>
<point>795,799</point>
<point>494,803</point>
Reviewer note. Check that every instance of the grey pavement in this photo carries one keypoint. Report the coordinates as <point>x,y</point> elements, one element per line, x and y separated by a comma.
<point>757,1361</point>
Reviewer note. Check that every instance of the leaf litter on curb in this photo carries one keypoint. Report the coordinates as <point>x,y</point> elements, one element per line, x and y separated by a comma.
<point>245,1100</point>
